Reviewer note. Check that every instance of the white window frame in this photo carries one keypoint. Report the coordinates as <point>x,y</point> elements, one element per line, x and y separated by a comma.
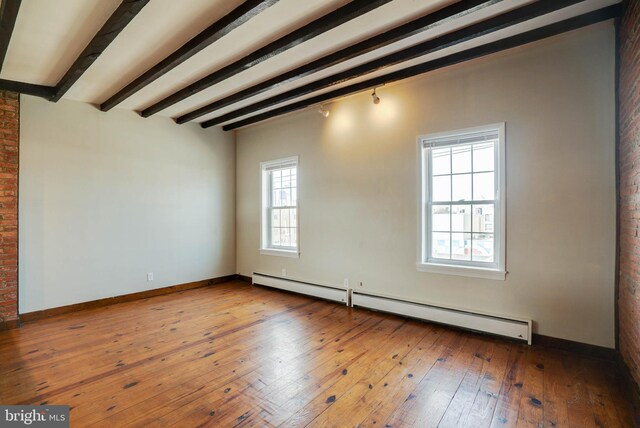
<point>265,218</point>
<point>496,270</point>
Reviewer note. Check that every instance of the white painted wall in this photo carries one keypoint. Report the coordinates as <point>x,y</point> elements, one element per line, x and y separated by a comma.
<point>107,197</point>
<point>358,185</point>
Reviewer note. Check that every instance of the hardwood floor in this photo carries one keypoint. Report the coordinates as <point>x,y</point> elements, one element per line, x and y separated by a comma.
<point>238,355</point>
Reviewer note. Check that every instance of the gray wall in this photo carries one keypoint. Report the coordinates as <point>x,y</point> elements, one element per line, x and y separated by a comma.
<point>358,185</point>
<point>106,198</point>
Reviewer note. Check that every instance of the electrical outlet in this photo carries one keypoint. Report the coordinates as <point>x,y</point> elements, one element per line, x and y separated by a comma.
<point>345,282</point>
<point>150,276</point>
<point>284,273</point>
<point>360,283</point>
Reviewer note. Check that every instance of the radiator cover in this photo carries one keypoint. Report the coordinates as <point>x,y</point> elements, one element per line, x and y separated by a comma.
<point>322,291</point>
<point>502,326</point>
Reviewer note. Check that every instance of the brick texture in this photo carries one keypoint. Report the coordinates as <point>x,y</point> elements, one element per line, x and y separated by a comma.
<point>9,152</point>
<point>629,170</point>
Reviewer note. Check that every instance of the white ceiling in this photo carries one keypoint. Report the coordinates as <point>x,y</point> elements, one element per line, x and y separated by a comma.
<point>49,35</point>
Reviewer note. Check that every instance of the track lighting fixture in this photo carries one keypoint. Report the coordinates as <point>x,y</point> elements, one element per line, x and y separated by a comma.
<point>376,98</point>
<point>323,111</point>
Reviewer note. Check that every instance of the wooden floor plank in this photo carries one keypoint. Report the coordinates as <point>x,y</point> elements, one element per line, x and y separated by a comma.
<point>379,359</point>
<point>507,407</point>
<point>580,412</point>
<point>291,398</point>
<point>531,412</point>
<point>371,390</point>
<point>435,397</point>
<point>556,390</point>
<point>463,400</point>
<point>249,361</point>
<point>398,384</point>
<point>202,364</point>
<point>76,378</point>
<point>239,355</point>
<point>484,403</point>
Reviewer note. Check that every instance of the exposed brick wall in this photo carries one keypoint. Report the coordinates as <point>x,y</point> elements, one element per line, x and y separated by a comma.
<point>9,152</point>
<point>629,169</point>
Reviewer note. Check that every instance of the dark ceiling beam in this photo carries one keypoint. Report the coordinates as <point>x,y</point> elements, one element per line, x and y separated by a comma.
<point>214,32</point>
<point>469,54</point>
<point>27,88</point>
<point>473,31</point>
<point>376,42</point>
<point>8,15</point>
<point>352,10</point>
<point>118,20</point>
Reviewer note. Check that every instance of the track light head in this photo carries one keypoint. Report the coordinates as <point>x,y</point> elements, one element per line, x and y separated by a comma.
<point>323,111</point>
<point>375,97</point>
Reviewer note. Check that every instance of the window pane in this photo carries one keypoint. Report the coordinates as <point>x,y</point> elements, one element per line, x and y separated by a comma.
<point>284,237</point>
<point>461,159</point>
<point>441,161</point>
<point>282,198</point>
<point>275,218</point>
<point>483,247</point>
<point>483,218</point>
<point>285,218</point>
<point>286,178</point>
<point>461,187</point>
<point>483,186</point>
<point>441,189</point>
<point>440,245</point>
<point>461,218</point>
<point>441,218</point>
<point>280,220</point>
<point>276,180</point>
<point>462,207</point>
<point>275,236</point>
<point>286,197</point>
<point>483,157</point>
<point>283,230</point>
<point>461,246</point>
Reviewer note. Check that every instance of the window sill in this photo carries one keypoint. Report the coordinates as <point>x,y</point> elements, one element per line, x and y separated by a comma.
<point>280,253</point>
<point>468,271</point>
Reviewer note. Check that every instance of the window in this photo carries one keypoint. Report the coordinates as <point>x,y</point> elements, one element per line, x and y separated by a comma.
<point>462,218</point>
<point>280,207</point>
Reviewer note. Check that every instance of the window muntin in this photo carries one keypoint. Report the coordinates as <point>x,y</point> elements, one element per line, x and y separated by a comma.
<point>280,205</point>
<point>462,201</point>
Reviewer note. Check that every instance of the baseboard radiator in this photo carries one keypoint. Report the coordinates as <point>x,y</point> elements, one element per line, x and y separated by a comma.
<point>315,290</point>
<point>514,328</point>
